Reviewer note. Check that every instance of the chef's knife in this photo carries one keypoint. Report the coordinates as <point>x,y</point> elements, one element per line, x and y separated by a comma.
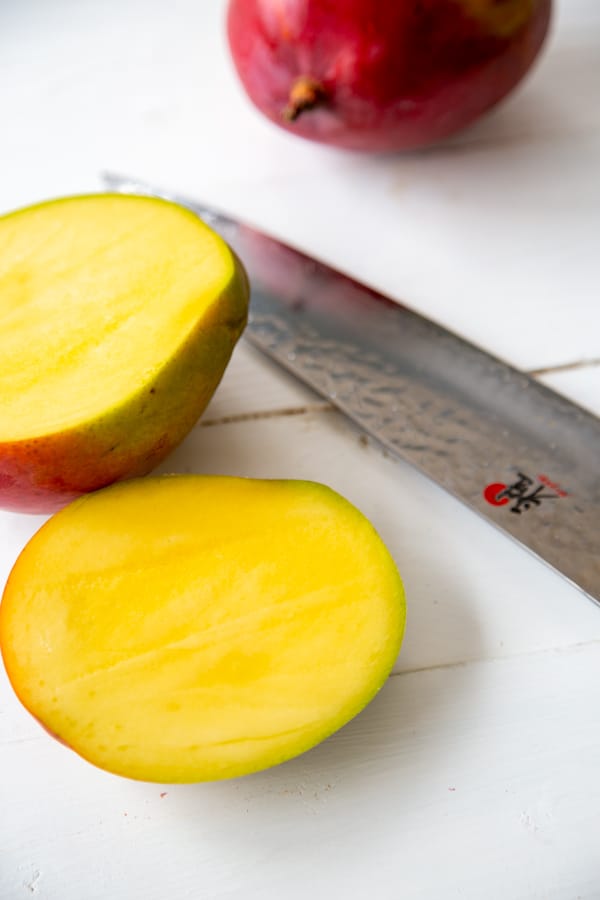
<point>516,452</point>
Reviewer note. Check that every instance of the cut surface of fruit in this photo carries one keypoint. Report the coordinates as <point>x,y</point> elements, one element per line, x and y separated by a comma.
<point>97,293</point>
<point>119,317</point>
<point>191,628</point>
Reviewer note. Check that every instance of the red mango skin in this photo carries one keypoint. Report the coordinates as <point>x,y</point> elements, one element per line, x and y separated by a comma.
<point>391,76</point>
<point>42,474</point>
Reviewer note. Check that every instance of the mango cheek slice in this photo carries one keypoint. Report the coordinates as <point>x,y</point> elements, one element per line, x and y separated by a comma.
<point>191,628</point>
<point>119,315</point>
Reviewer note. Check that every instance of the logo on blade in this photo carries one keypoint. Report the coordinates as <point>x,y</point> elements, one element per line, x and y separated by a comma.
<point>523,493</point>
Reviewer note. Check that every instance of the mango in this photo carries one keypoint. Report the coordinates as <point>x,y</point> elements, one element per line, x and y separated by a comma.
<point>382,77</point>
<point>119,316</point>
<point>189,628</point>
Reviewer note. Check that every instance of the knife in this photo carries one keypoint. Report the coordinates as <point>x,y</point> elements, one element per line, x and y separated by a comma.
<point>516,452</point>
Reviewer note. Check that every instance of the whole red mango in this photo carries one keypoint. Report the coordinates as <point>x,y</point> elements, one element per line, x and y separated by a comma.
<point>382,76</point>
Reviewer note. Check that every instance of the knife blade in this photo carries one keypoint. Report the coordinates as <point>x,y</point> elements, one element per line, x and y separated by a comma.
<point>516,452</point>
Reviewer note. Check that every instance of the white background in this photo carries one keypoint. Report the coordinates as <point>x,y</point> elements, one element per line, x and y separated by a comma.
<point>476,772</point>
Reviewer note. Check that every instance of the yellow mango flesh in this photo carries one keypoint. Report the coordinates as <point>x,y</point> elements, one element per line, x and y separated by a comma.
<point>191,628</point>
<point>119,316</point>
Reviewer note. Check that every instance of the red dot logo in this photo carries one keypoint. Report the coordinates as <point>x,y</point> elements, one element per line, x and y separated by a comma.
<point>491,494</point>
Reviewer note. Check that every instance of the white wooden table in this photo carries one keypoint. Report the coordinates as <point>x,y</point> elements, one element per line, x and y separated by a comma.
<point>475,774</point>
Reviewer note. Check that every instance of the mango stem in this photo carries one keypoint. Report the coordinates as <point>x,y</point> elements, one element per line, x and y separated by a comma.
<point>305,93</point>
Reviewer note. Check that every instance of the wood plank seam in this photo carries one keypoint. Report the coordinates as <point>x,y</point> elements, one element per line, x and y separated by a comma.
<point>461,664</point>
<point>235,418</point>
<point>565,367</point>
